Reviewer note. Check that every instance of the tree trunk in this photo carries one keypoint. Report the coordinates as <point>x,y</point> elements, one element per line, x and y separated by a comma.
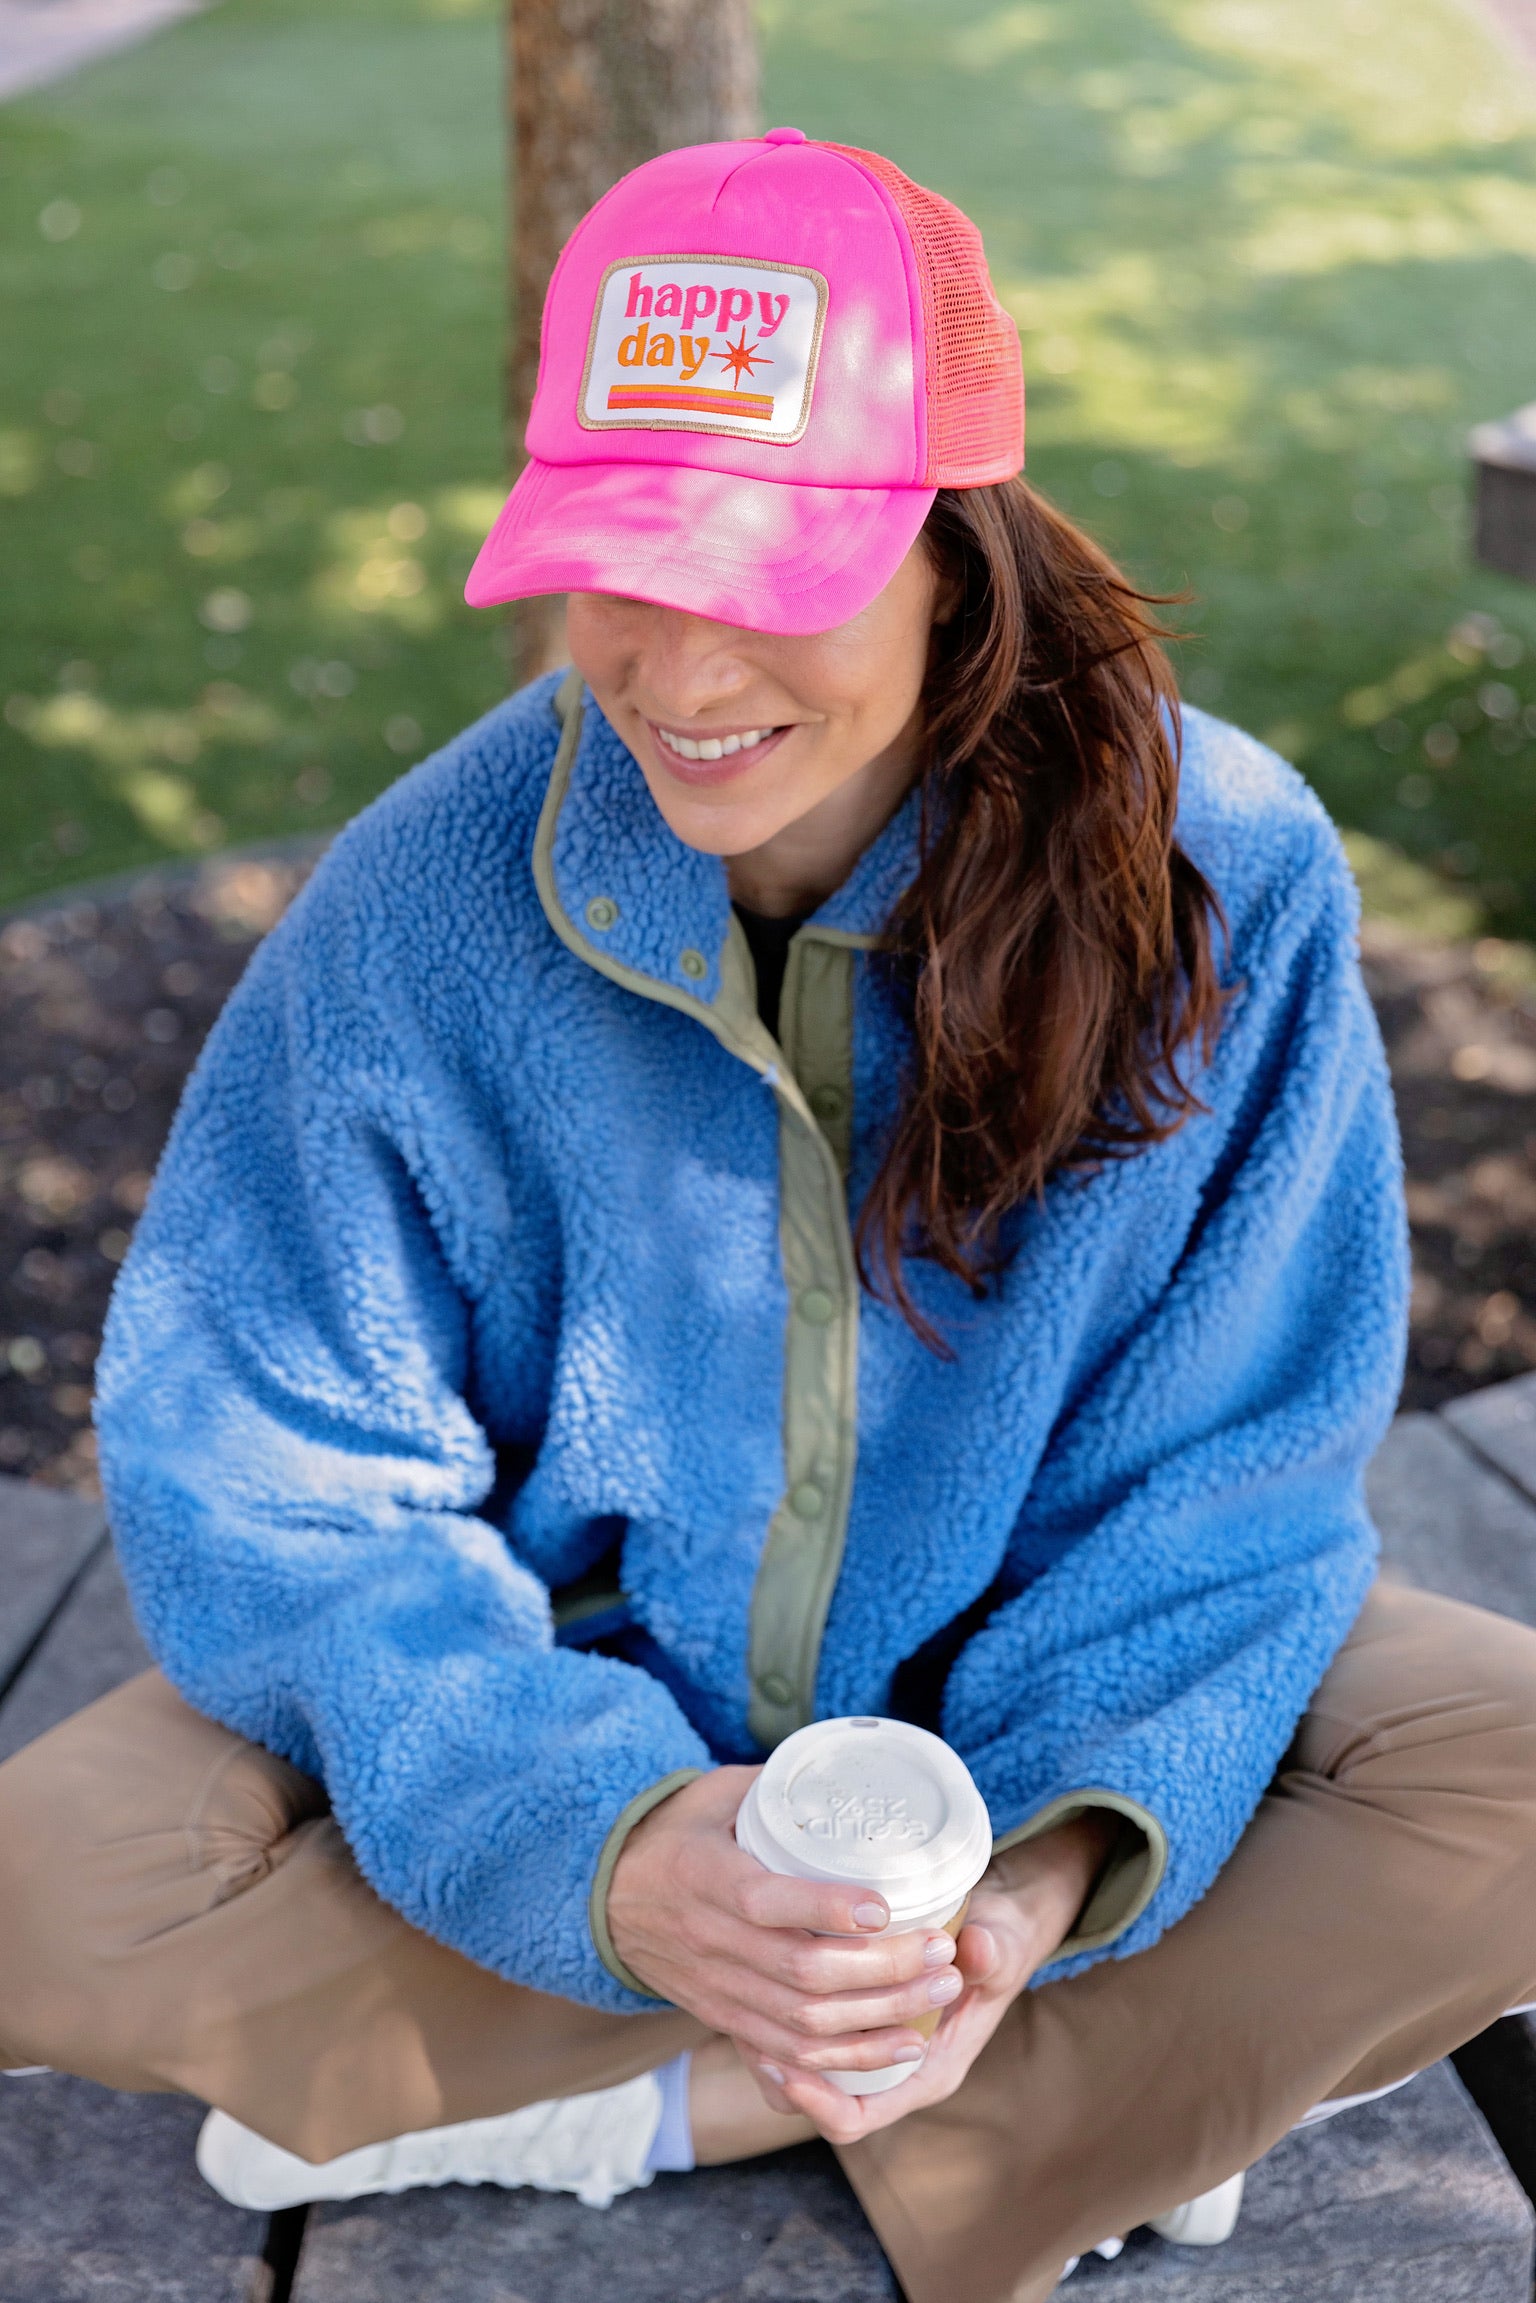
<point>596,87</point>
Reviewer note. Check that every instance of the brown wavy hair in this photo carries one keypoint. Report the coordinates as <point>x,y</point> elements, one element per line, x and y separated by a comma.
<point>1056,951</point>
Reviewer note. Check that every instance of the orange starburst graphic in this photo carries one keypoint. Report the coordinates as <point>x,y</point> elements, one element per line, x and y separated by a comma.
<point>741,359</point>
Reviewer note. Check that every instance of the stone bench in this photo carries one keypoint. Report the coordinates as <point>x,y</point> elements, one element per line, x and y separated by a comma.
<point>1408,2200</point>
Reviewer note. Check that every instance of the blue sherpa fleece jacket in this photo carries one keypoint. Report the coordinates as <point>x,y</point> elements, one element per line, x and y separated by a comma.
<point>464,1263</point>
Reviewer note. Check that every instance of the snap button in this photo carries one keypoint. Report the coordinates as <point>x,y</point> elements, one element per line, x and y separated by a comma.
<point>693,963</point>
<point>806,1499</point>
<point>775,1687</point>
<point>784,136</point>
<point>602,911</point>
<point>816,1307</point>
<point>828,1103</point>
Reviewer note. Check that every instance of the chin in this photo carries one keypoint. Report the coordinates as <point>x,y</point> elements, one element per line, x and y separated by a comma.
<point>718,831</point>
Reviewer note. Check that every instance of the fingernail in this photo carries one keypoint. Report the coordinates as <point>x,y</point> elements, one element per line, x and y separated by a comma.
<point>938,1951</point>
<point>942,1988</point>
<point>909,2055</point>
<point>772,2071</point>
<point>870,1915</point>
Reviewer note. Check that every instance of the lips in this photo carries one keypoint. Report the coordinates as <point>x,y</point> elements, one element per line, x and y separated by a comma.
<point>713,759</point>
<point>713,747</point>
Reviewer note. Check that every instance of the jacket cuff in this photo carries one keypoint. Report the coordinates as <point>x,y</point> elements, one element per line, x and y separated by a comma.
<point>1130,1876</point>
<point>613,1848</point>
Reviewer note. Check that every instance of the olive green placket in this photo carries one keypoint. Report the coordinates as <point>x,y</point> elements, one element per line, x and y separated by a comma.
<point>810,1068</point>
<point>799,1567</point>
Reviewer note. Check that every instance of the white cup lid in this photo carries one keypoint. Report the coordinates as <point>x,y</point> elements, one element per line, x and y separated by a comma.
<point>871,1803</point>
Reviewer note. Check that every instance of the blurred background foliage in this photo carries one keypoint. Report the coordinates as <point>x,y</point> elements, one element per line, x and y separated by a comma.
<point>1270,260</point>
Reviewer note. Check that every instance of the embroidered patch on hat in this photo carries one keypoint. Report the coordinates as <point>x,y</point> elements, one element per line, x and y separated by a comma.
<point>704,344</point>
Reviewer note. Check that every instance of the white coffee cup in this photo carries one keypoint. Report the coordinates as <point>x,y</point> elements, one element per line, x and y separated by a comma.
<point>872,1803</point>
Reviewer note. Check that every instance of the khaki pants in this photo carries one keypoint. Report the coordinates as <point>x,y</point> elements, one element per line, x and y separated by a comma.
<point>178,1910</point>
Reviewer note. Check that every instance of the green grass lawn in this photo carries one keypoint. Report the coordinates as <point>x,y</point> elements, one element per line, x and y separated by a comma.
<point>249,426</point>
<point>1270,259</point>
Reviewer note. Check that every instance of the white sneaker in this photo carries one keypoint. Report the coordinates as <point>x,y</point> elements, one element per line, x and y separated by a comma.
<point>595,2145</point>
<point>1206,2221</point>
<point>1202,2222</point>
<point>1108,2248</point>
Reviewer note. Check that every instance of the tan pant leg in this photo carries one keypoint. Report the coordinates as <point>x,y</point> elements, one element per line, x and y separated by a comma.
<point>178,1910</point>
<point>1380,1910</point>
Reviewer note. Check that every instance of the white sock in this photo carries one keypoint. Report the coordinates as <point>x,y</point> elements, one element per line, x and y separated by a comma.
<point>671,2151</point>
<point>596,2145</point>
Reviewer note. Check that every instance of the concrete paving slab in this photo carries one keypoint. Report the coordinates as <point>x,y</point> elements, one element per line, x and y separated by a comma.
<point>779,2230</point>
<point>45,1540</point>
<point>1402,2201</point>
<point>1448,1523</point>
<point>92,1646</point>
<point>42,40</point>
<point>102,2202</point>
<point>1498,2070</point>
<point>1500,1423</point>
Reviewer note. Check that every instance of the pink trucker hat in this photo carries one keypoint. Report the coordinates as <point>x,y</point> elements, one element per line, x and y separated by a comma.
<point>759,361</point>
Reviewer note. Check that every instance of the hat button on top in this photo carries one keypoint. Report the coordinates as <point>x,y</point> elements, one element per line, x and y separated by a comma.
<point>784,136</point>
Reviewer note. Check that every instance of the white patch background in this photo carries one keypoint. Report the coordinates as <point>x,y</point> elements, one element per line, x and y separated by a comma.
<point>791,348</point>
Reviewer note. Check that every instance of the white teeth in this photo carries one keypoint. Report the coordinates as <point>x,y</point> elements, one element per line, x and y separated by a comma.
<point>713,747</point>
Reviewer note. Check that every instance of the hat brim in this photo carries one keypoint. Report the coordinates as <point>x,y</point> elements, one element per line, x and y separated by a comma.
<point>765,554</point>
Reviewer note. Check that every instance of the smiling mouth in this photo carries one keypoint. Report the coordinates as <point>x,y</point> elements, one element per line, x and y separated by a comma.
<point>714,747</point>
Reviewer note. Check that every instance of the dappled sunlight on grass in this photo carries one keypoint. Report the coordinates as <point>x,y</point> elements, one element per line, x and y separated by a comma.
<point>127,747</point>
<point>1392,76</point>
<point>1423,224</point>
<point>1270,260</point>
<point>1000,35</point>
<point>375,570</point>
<point>249,393</point>
<point>1393,887</point>
<point>1100,334</point>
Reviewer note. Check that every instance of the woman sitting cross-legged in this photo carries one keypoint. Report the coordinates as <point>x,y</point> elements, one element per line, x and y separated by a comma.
<point>834,1161</point>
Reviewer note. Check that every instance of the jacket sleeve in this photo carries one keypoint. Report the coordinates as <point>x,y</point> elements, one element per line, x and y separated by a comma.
<point>1200,1507</point>
<point>293,1471</point>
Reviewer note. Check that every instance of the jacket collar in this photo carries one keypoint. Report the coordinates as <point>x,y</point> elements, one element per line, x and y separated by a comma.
<point>622,888</point>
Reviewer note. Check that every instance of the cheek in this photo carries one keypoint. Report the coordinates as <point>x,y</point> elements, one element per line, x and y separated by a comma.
<point>870,674</point>
<point>601,646</point>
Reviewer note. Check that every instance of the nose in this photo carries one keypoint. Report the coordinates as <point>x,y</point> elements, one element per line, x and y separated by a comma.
<point>689,666</point>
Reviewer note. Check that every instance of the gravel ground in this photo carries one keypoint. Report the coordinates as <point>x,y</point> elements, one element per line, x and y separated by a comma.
<point>104,1004</point>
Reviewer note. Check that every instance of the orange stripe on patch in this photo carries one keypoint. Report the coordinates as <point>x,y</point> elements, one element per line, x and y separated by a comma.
<point>757,405</point>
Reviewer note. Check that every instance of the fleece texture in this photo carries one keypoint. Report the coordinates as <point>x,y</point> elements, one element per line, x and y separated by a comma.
<point>463,1263</point>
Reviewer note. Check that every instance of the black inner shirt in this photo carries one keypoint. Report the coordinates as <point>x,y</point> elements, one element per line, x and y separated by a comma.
<point>768,941</point>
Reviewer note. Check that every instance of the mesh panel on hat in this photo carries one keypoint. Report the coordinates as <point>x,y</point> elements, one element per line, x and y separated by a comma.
<point>975,380</point>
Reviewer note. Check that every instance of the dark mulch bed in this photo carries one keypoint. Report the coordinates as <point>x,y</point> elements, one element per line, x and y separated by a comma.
<point>104,1004</point>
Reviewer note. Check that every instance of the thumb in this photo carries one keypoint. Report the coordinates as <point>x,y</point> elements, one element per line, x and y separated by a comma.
<point>978,1952</point>
<point>770,2080</point>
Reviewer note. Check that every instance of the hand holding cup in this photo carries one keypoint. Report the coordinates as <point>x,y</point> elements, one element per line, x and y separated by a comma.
<point>799,1972</point>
